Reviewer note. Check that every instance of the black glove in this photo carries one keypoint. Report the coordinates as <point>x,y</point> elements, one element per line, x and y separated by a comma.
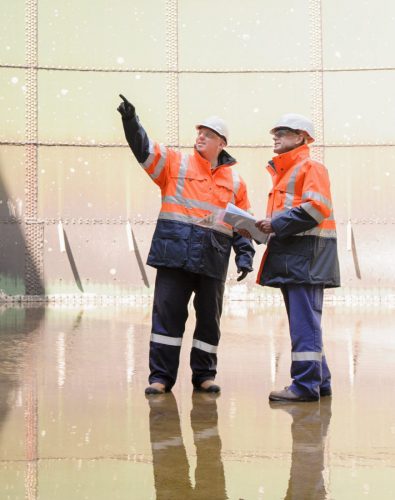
<point>243,274</point>
<point>126,109</point>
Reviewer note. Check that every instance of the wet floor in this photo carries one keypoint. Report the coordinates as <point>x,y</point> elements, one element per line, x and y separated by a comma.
<point>75,424</point>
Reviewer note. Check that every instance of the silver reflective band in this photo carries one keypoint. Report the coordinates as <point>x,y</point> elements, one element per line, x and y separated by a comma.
<point>163,339</point>
<point>322,233</point>
<point>307,356</point>
<point>212,349</point>
<point>190,203</point>
<point>181,175</point>
<point>290,189</point>
<point>160,164</point>
<point>151,156</point>
<point>312,211</point>
<point>206,433</point>
<point>191,219</point>
<point>307,447</point>
<point>167,443</point>
<point>317,197</point>
<point>236,185</point>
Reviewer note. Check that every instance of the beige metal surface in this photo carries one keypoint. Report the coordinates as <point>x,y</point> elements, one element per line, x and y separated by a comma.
<point>63,156</point>
<point>74,421</point>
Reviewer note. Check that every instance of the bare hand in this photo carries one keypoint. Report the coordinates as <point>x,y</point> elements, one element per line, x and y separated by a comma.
<point>264,226</point>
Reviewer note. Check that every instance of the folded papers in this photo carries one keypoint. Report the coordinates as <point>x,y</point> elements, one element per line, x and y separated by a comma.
<point>240,219</point>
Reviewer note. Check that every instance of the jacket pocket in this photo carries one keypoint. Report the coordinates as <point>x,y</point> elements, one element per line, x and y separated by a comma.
<point>192,186</point>
<point>290,267</point>
<point>224,192</point>
<point>217,248</point>
<point>169,245</point>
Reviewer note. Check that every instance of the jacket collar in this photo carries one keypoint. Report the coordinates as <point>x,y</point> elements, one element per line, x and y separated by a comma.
<point>224,159</point>
<point>283,162</point>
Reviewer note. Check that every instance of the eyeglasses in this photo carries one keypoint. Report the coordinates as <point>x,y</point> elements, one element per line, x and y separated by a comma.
<point>282,132</point>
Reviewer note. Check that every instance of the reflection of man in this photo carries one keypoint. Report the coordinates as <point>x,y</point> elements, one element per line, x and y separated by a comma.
<point>171,467</point>
<point>189,258</point>
<point>309,429</point>
<point>301,256</point>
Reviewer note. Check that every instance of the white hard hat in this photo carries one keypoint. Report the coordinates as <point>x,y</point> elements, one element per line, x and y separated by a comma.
<point>296,122</point>
<point>217,124</point>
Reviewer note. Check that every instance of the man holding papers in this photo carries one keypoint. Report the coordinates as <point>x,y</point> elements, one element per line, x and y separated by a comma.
<point>301,256</point>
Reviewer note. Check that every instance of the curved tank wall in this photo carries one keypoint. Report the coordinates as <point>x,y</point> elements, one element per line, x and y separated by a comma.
<point>76,210</point>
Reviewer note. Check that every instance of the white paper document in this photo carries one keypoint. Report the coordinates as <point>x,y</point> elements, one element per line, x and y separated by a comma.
<point>240,219</point>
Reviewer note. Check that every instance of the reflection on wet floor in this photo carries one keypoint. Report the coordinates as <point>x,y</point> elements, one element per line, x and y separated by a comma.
<point>75,423</point>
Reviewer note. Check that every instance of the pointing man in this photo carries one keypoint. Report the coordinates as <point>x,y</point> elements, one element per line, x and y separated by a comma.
<point>189,257</point>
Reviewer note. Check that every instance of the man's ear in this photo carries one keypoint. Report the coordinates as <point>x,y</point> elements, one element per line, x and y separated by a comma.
<point>304,139</point>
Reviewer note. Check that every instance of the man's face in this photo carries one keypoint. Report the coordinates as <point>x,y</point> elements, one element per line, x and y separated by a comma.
<point>208,143</point>
<point>286,139</point>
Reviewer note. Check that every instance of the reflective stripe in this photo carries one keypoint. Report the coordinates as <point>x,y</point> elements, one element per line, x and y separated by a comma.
<point>203,346</point>
<point>307,356</point>
<point>151,156</point>
<point>167,443</point>
<point>206,433</point>
<point>160,164</point>
<point>312,195</point>
<point>181,175</point>
<point>190,219</point>
<point>307,447</point>
<point>322,233</point>
<point>236,185</point>
<point>190,203</point>
<point>164,339</point>
<point>312,211</point>
<point>290,189</point>
<point>276,213</point>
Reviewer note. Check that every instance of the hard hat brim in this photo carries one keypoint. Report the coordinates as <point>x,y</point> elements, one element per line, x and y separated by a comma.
<point>206,126</point>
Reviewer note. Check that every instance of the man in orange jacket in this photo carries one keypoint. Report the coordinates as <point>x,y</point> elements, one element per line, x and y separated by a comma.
<point>301,256</point>
<point>189,256</point>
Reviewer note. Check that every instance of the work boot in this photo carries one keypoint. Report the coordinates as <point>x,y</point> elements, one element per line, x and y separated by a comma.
<point>155,388</point>
<point>208,386</point>
<point>325,392</point>
<point>288,396</point>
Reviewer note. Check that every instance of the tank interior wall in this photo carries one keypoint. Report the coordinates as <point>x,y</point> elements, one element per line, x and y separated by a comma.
<point>63,156</point>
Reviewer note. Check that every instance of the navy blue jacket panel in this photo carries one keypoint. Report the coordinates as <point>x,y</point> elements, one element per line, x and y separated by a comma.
<point>197,249</point>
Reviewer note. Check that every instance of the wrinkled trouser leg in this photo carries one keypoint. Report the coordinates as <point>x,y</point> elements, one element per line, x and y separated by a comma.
<point>304,308</point>
<point>173,290</point>
<point>208,300</point>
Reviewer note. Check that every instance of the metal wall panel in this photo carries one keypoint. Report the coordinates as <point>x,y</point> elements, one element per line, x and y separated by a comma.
<point>64,157</point>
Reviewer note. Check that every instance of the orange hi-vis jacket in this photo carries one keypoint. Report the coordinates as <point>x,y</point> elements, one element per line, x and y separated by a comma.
<point>192,191</point>
<point>303,248</point>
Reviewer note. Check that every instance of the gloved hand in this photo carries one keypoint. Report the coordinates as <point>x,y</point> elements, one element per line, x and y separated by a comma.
<point>243,274</point>
<point>126,109</point>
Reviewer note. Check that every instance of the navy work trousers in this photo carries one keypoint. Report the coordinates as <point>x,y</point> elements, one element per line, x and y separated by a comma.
<point>173,291</point>
<point>309,370</point>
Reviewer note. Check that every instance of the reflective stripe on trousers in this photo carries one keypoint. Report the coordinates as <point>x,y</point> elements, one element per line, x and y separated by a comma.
<point>173,290</point>
<point>309,369</point>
